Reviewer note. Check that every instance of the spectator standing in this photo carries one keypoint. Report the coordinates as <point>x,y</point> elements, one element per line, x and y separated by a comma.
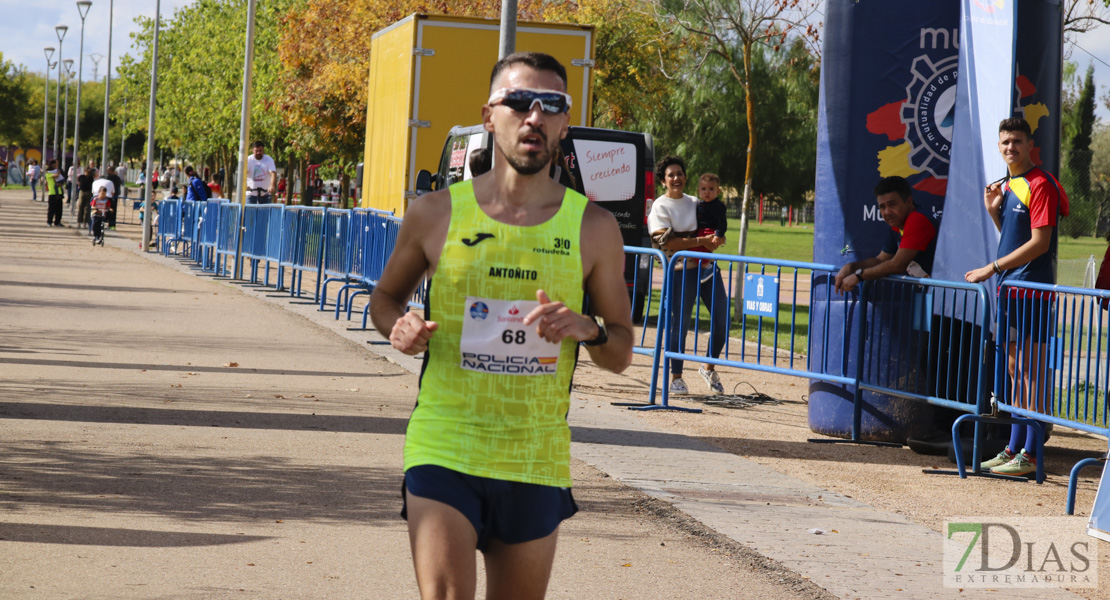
<point>34,172</point>
<point>196,190</point>
<point>673,224</point>
<point>53,181</point>
<point>214,189</point>
<point>72,175</point>
<point>261,176</point>
<point>117,184</point>
<point>84,196</point>
<point>121,172</point>
<point>281,187</point>
<point>1025,210</point>
<point>3,173</point>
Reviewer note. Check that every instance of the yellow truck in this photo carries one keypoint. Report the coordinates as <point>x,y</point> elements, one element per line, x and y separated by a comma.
<point>429,73</point>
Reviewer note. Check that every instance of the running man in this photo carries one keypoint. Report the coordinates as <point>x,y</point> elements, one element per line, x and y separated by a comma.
<point>487,451</point>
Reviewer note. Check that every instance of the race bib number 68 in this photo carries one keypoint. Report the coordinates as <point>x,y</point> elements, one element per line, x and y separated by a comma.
<point>496,340</point>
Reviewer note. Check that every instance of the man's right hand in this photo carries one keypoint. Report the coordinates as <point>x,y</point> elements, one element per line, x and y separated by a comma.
<point>411,333</point>
<point>844,272</point>
<point>992,198</point>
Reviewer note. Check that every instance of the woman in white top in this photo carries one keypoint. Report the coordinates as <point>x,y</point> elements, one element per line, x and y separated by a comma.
<point>673,224</point>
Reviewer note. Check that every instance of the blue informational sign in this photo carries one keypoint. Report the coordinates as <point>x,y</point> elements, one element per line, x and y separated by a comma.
<point>761,295</point>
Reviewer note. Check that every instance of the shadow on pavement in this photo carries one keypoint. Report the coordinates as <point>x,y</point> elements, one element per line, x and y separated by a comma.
<point>202,418</point>
<point>114,536</point>
<point>186,368</point>
<point>62,476</point>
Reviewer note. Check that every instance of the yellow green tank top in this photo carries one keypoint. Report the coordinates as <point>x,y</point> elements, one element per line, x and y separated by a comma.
<point>493,395</point>
<point>51,184</point>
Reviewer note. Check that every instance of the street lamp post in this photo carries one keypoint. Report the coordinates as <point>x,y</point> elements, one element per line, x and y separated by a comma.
<point>68,64</point>
<point>61,31</point>
<point>107,90</point>
<point>83,10</point>
<point>148,192</point>
<point>49,52</point>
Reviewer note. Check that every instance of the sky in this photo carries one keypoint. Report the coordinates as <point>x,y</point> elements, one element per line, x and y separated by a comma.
<point>24,32</point>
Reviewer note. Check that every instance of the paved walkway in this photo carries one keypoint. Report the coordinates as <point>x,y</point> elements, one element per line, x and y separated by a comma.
<point>164,433</point>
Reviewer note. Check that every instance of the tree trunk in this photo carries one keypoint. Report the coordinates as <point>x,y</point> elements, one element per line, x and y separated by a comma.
<point>302,172</point>
<point>290,179</point>
<point>344,189</point>
<point>742,242</point>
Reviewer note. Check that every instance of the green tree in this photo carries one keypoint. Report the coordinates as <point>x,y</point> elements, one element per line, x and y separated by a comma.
<point>704,121</point>
<point>1077,170</point>
<point>733,30</point>
<point>14,102</point>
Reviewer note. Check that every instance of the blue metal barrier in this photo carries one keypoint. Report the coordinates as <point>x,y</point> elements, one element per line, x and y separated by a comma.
<point>302,246</point>
<point>262,237</point>
<point>642,291</point>
<point>208,227</point>
<point>771,352</point>
<point>382,241</point>
<point>228,237</point>
<point>338,248</point>
<point>360,234</point>
<point>935,350</point>
<point>169,226</point>
<point>375,240</point>
<point>1053,357</point>
<point>189,217</point>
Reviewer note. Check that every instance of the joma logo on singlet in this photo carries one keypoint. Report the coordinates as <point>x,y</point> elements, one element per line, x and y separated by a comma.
<point>477,238</point>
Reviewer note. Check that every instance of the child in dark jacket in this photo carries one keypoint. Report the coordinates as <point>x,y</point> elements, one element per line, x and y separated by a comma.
<point>712,218</point>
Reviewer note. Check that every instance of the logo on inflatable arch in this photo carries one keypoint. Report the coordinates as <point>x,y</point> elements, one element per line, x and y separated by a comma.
<point>929,113</point>
<point>918,126</point>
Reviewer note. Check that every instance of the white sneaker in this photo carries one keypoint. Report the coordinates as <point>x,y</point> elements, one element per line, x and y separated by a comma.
<point>678,386</point>
<point>711,379</point>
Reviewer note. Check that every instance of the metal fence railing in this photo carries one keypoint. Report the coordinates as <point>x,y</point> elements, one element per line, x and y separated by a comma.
<point>920,339</point>
<point>228,238</point>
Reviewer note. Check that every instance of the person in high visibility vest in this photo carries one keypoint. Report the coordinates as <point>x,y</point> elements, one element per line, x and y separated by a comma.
<point>54,197</point>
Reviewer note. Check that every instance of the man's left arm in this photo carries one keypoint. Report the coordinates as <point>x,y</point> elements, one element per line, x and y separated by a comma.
<point>1040,240</point>
<point>603,269</point>
<point>1043,207</point>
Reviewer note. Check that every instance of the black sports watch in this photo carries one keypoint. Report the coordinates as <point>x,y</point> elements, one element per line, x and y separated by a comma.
<point>859,274</point>
<point>602,333</point>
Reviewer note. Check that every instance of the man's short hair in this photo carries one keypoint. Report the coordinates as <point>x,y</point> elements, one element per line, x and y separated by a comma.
<point>189,170</point>
<point>258,144</point>
<point>661,168</point>
<point>537,60</point>
<point>1016,124</point>
<point>894,183</point>
<point>710,178</point>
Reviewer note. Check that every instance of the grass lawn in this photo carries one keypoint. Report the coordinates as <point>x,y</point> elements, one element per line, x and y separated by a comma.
<point>773,241</point>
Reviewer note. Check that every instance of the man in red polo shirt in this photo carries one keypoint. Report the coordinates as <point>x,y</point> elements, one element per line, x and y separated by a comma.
<point>910,244</point>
